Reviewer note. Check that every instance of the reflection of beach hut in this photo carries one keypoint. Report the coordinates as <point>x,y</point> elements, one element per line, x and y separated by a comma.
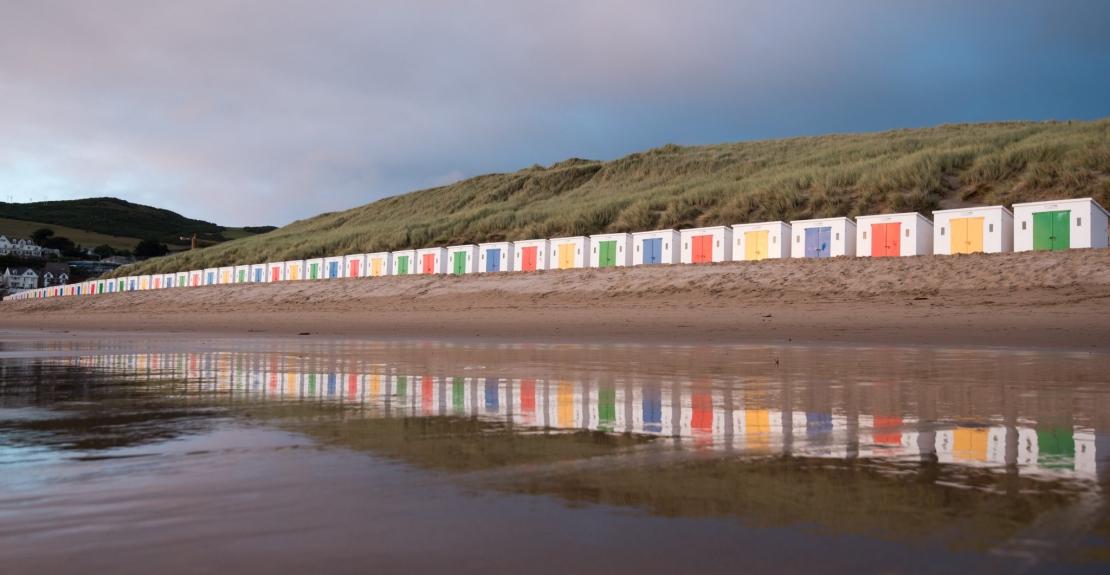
<point>462,259</point>
<point>275,272</point>
<point>1059,225</point>
<point>530,255</point>
<point>182,279</point>
<point>495,257</point>
<point>333,267</point>
<point>764,240</point>
<point>227,275</point>
<point>211,276</point>
<point>354,266</point>
<point>404,262</point>
<point>196,278</point>
<point>242,274</point>
<point>656,247</point>
<point>824,238</point>
<point>987,229</point>
<point>431,261</point>
<point>705,245</point>
<point>379,264</point>
<point>294,270</point>
<point>893,235</point>
<point>313,269</point>
<point>570,252</point>
<point>610,250</point>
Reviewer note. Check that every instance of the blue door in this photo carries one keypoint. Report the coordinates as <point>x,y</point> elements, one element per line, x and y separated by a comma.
<point>653,409</point>
<point>491,395</point>
<point>211,278</point>
<point>817,242</point>
<point>493,260</point>
<point>258,275</point>
<point>653,251</point>
<point>333,270</point>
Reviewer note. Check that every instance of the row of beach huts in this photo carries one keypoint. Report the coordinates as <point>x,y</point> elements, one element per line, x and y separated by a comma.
<point>1050,225</point>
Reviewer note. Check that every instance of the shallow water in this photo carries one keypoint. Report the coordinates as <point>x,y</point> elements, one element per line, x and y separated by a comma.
<point>192,455</point>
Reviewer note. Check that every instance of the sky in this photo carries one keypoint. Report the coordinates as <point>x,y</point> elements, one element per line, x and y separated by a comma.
<point>253,112</point>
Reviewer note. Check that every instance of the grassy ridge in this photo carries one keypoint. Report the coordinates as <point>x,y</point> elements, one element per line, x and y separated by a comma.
<point>677,187</point>
<point>24,229</point>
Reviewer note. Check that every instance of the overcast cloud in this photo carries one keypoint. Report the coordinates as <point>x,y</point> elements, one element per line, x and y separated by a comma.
<point>262,112</point>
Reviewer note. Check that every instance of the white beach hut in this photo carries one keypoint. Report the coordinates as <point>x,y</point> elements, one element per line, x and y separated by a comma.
<point>431,261</point>
<point>823,238</point>
<point>258,273</point>
<point>294,270</point>
<point>333,268</point>
<point>610,250</point>
<point>379,264</point>
<point>656,247</point>
<point>705,245</point>
<point>988,229</point>
<point>275,271</point>
<point>354,266</point>
<point>760,241</point>
<point>169,281</point>
<point>211,276</point>
<point>227,275</point>
<point>893,235</point>
<point>1059,225</point>
<point>569,252</point>
<point>495,257</point>
<point>242,275</point>
<point>462,259</point>
<point>313,269</point>
<point>196,278</point>
<point>404,262</point>
<point>530,255</point>
<point>182,279</point>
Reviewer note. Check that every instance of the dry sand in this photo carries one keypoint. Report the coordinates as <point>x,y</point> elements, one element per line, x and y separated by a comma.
<point>1055,300</point>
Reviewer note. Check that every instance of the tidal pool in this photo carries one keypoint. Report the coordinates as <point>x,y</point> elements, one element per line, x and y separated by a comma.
<point>169,454</point>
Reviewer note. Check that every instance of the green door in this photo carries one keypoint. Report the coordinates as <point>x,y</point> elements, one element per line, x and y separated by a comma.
<point>1052,230</point>
<point>607,254</point>
<point>402,265</point>
<point>314,272</point>
<point>458,263</point>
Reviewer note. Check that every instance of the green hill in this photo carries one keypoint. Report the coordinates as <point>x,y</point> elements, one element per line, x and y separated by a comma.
<point>677,187</point>
<point>122,219</point>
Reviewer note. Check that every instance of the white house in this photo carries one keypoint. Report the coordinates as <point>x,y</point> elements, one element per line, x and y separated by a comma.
<point>462,259</point>
<point>988,229</point>
<point>495,257</point>
<point>531,255</point>
<point>760,241</point>
<point>610,250</point>
<point>1059,225</point>
<point>431,261</point>
<point>656,247</point>
<point>705,245</point>
<point>21,278</point>
<point>823,238</point>
<point>906,234</point>
<point>569,252</point>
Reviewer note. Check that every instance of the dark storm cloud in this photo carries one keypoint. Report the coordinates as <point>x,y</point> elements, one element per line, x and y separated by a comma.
<point>267,111</point>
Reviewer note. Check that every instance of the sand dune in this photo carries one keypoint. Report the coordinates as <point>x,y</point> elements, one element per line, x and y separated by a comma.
<point>1031,299</point>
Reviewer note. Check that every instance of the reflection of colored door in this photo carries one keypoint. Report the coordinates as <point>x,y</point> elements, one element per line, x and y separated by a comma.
<point>817,242</point>
<point>701,418</point>
<point>888,430</point>
<point>653,409</point>
<point>528,258</point>
<point>1052,230</point>
<point>402,385</point>
<point>528,396</point>
<point>458,394</point>
<point>492,403</point>
<point>427,394</point>
<point>607,254</point>
<point>566,256</point>
<point>402,265</point>
<point>757,427</point>
<point>352,386</point>
<point>755,245</point>
<point>653,250</point>
<point>970,443</point>
<point>376,267</point>
<point>1055,447</point>
<point>353,270</point>
<point>967,235</point>
<point>333,270</point>
<point>565,398</point>
<point>458,263</point>
<point>701,249</point>
<point>886,240</point>
<point>606,408</point>
<point>493,260</point>
<point>429,264</point>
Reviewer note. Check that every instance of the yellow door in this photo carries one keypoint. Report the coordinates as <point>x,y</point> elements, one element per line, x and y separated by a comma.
<point>970,444</point>
<point>294,272</point>
<point>967,235</point>
<point>565,410</point>
<point>566,256</point>
<point>376,267</point>
<point>755,245</point>
<point>757,427</point>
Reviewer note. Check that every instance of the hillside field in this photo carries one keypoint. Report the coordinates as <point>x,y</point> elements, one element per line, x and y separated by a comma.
<point>23,229</point>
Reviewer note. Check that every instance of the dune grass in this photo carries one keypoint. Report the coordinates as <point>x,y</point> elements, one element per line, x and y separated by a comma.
<point>677,187</point>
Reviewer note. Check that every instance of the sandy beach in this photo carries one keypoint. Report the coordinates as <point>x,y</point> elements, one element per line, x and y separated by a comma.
<point>1054,300</point>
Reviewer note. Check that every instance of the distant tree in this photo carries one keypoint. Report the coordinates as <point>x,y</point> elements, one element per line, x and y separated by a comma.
<point>40,235</point>
<point>104,251</point>
<point>151,249</point>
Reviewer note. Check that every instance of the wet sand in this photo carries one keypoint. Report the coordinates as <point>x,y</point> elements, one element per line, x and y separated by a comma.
<point>1050,300</point>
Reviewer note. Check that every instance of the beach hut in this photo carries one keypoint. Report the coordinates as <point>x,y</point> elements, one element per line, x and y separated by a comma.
<point>404,262</point>
<point>760,241</point>
<point>242,274</point>
<point>530,255</point>
<point>275,272</point>
<point>155,283</point>
<point>887,235</point>
<point>169,281</point>
<point>987,229</point>
<point>333,267</point>
<point>705,245</point>
<point>1059,225</point>
<point>294,270</point>
<point>354,266</point>
<point>196,278</point>
<point>656,247</point>
<point>144,282</point>
<point>211,276</point>
<point>181,279</point>
<point>567,253</point>
<point>610,250</point>
<point>495,257</point>
<point>379,264</point>
<point>101,287</point>
<point>431,261</point>
<point>823,238</point>
<point>258,273</point>
<point>462,259</point>
<point>313,269</point>
<point>227,275</point>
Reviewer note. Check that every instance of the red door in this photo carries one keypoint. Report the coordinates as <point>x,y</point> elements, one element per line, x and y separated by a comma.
<point>427,396</point>
<point>429,263</point>
<point>528,259</point>
<point>702,249</point>
<point>886,240</point>
<point>353,272</point>
<point>275,274</point>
